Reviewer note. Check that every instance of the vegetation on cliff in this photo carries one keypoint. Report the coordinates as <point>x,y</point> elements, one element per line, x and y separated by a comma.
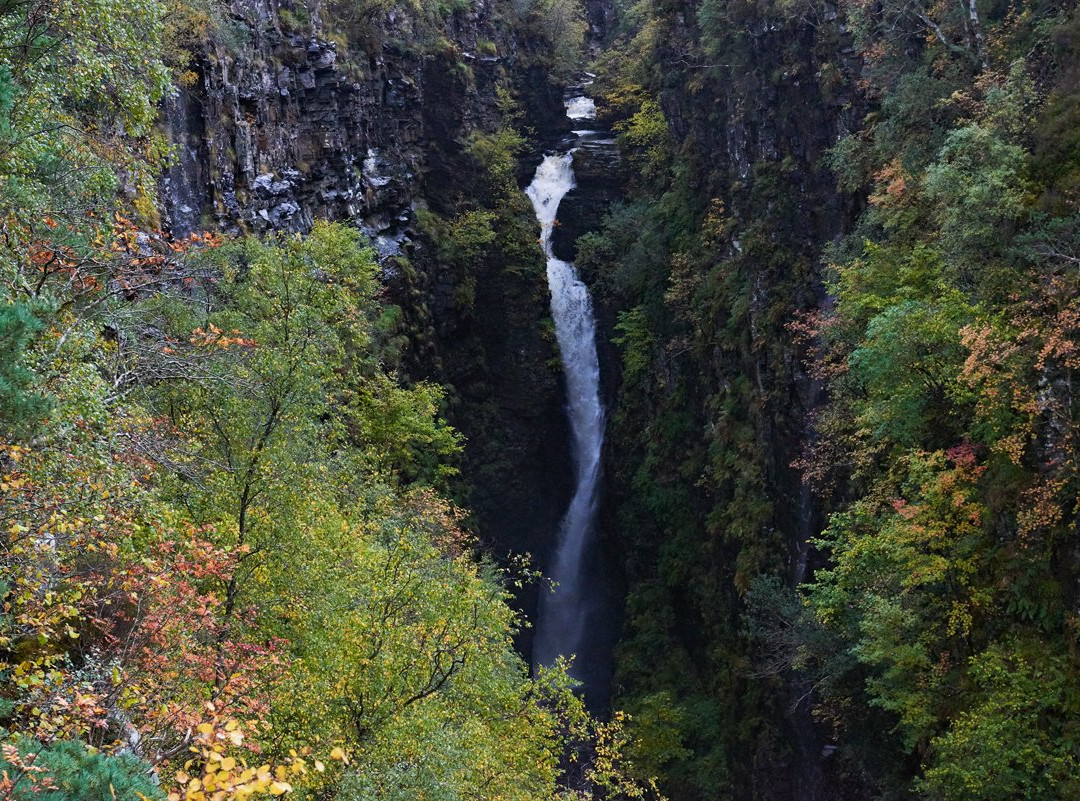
<point>948,353</point>
<point>855,229</point>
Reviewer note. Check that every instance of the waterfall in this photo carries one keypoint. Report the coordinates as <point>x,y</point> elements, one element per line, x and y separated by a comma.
<point>581,108</point>
<point>563,615</point>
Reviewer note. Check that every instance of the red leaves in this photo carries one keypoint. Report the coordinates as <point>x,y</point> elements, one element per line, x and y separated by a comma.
<point>146,630</point>
<point>205,239</point>
<point>904,509</point>
<point>30,777</point>
<point>891,185</point>
<point>806,325</point>
<point>962,455</point>
<point>184,645</point>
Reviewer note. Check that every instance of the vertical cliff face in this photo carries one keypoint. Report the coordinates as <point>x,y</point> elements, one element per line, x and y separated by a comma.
<point>291,123</point>
<point>757,108</point>
<point>715,256</point>
<point>294,114</point>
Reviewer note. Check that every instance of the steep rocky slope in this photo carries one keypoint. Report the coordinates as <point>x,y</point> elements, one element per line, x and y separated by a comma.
<point>288,121</point>
<point>898,152</point>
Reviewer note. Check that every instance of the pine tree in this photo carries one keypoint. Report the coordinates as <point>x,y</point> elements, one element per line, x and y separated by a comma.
<point>20,404</point>
<point>66,771</point>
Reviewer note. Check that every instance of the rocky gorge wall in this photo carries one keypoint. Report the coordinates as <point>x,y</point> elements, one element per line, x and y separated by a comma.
<point>714,256</point>
<point>289,123</point>
<point>290,115</point>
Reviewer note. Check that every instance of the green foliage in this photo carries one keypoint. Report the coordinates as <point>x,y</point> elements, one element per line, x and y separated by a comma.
<point>950,313</point>
<point>907,366</point>
<point>659,727</point>
<point>907,586</point>
<point>494,231</point>
<point>84,78</point>
<point>192,25</point>
<point>561,25</point>
<point>637,342</point>
<point>979,189</point>
<point>935,420</point>
<point>495,155</point>
<point>406,656</point>
<point>112,78</point>
<point>1016,741</point>
<point>67,771</point>
<point>20,405</point>
<point>645,136</point>
<point>256,512</point>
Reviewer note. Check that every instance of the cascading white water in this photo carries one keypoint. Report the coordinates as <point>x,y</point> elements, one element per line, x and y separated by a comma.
<point>581,108</point>
<point>562,618</point>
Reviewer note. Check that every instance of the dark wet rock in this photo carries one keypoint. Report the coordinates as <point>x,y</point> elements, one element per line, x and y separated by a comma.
<point>600,175</point>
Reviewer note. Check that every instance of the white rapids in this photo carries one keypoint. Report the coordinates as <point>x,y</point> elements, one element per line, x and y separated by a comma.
<point>561,624</point>
<point>581,108</point>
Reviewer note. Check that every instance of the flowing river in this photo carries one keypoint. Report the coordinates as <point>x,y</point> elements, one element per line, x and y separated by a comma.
<point>562,624</point>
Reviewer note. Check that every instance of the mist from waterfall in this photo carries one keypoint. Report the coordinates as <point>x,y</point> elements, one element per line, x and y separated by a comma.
<point>563,615</point>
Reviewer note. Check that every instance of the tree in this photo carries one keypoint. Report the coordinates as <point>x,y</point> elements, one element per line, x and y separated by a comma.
<point>20,405</point>
<point>67,771</point>
<point>1014,742</point>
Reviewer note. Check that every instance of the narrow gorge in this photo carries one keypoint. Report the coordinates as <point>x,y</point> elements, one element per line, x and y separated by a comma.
<point>539,400</point>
